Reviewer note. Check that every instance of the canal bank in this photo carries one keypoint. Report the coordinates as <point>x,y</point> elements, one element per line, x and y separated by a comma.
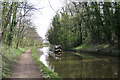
<point>74,66</point>
<point>46,73</point>
<point>97,50</point>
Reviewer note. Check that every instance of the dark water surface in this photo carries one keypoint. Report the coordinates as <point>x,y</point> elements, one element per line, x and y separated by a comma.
<point>73,66</point>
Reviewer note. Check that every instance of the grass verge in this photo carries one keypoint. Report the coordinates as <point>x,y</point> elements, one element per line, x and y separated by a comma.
<point>45,71</point>
<point>92,47</point>
<point>102,49</point>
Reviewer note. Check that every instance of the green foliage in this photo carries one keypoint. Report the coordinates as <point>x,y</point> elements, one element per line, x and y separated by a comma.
<point>79,23</point>
<point>46,72</point>
<point>61,32</point>
<point>14,31</point>
<point>9,21</point>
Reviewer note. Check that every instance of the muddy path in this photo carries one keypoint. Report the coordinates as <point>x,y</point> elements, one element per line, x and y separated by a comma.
<point>25,67</point>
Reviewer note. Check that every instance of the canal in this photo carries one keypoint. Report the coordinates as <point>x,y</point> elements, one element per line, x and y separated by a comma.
<point>74,66</point>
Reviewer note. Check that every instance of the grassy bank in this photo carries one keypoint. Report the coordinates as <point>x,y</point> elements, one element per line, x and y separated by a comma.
<point>9,56</point>
<point>102,49</point>
<point>45,71</point>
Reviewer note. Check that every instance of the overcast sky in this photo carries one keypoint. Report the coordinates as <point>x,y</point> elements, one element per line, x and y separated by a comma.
<point>42,18</point>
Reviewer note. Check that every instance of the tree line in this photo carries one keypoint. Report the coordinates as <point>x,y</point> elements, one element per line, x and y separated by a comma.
<point>16,24</point>
<point>86,22</point>
<point>17,33</point>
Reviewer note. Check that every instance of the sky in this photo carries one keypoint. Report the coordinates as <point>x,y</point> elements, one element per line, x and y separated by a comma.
<point>42,18</point>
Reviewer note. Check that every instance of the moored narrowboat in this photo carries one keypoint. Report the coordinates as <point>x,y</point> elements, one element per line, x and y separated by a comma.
<point>57,50</point>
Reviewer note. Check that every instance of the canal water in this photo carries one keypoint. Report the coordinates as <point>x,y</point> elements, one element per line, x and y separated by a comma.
<point>74,66</point>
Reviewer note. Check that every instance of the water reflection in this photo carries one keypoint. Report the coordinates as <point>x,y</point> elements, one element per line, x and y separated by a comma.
<point>44,56</point>
<point>72,66</point>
